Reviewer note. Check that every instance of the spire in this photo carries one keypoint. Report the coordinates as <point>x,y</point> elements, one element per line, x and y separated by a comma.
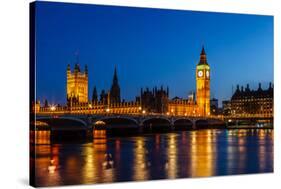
<point>270,86</point>
<point>237,88</point>
<point>95,95</point>
<point>247,87</point>
<point>77,68</point>
<point>203,51</point>
<point>259,89</point>
<point>115,78</point>
<point>203,59</point>
<point>115,89</point>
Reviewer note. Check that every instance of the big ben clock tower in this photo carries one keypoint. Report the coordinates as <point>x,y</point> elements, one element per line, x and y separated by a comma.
<point>203,85</point>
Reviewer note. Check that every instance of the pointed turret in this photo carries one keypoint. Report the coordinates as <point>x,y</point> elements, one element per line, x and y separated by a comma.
<point>115,89</point>
<point>76,68</point>
<point>203,51</point>
<point>203,59</point>
<point>115,78</point>
<point>95,95</point>
<point>237,88</point>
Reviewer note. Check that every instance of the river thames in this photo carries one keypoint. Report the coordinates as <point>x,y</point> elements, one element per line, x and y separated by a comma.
<point>183,154</point>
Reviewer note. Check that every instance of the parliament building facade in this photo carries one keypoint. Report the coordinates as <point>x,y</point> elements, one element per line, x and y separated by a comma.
<point>155,100</point>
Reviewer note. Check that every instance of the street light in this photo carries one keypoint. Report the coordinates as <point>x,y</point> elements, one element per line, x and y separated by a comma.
<point>53,108</point>
<point>143,112</point>
<point>107,110</point>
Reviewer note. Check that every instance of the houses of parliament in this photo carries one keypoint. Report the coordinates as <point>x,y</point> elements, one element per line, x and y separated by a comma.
<point>149,101</point>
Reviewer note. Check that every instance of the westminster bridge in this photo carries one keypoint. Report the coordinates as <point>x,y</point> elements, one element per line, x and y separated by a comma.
<point>60,121</point>
<point>123,122</point>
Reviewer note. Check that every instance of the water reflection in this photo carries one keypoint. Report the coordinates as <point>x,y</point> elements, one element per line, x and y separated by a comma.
<point>171,164</point>
<point>141,165</point>
<point>154,156</point>
<point>203,151</point>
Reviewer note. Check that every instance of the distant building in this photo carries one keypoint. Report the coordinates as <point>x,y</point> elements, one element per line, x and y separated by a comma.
<point>249,102</point>
<point>155,100</point>
<point>77,85</point>
<point>183,107</point>
<point>214,106</point>
<point>226,107</point>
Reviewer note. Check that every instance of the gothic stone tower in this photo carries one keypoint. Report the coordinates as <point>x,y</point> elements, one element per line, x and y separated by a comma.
<point>203,85</point>
<point>115,90</point>
<point>77,85</point>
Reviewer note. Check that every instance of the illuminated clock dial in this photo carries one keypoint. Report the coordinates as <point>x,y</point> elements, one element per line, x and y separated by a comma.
<point>200,73</point>
<point>207,73</point>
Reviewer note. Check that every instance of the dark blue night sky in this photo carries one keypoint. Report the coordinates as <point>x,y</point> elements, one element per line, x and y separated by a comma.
<point>150,47</point>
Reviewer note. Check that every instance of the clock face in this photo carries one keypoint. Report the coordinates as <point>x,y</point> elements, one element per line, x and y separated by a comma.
<point>200,73</point>
<point>207,73</point>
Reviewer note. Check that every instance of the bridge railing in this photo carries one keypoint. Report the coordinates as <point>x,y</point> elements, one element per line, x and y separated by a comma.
<point>238,116</point>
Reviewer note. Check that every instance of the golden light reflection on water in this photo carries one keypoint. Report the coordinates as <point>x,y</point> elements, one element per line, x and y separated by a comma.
<point>99,163</point>
<point>202,153</point>
<point>173,155</point>
<point>140,169</point>
<point>171,165</point>
<point>42,137</point>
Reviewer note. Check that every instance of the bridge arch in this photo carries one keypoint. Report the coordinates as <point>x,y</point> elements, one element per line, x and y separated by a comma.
<point>64,123</point>
<point>67,128</point>
<point>161,119</point>
<point>114,122</point>
<point>183,124</point>
<point>156,123</point>
<point>201,123</point>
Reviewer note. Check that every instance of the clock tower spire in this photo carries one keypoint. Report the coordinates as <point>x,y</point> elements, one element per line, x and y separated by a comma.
<point>203,85</point>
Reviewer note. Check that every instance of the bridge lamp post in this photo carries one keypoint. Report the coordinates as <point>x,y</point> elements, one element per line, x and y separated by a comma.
<point>143,112</point>
<point>53,108</point>
<point>107,110</point>
<point>139,109</point>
